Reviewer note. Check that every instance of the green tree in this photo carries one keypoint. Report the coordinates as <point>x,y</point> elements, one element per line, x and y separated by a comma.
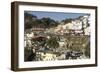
<point>52,43</point>
<point>67,20</point>
<point>87,48</point>
<point>28,20</point>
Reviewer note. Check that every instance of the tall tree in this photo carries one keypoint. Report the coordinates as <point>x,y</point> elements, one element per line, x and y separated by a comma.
<point>28,20</point>
<point>53,43</point>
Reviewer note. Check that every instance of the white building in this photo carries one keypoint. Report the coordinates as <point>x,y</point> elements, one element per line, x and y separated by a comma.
<point>75,25</point>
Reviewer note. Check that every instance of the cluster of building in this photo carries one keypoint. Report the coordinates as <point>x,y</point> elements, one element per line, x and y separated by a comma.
<point>79,26</point>
<point>76,26</point>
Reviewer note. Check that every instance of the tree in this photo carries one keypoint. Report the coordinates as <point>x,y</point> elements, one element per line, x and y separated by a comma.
<point>28,20</point>
<point>29,55</point>
<point>83,28</point>
<point>87,50</point>
<point>52,43</point>
<point>67,20</point>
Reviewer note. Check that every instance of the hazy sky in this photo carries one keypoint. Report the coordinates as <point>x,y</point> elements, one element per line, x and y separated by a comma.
<point>58,16</point>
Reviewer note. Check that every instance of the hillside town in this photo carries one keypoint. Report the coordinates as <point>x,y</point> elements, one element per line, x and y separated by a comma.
<point>66,40</point>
